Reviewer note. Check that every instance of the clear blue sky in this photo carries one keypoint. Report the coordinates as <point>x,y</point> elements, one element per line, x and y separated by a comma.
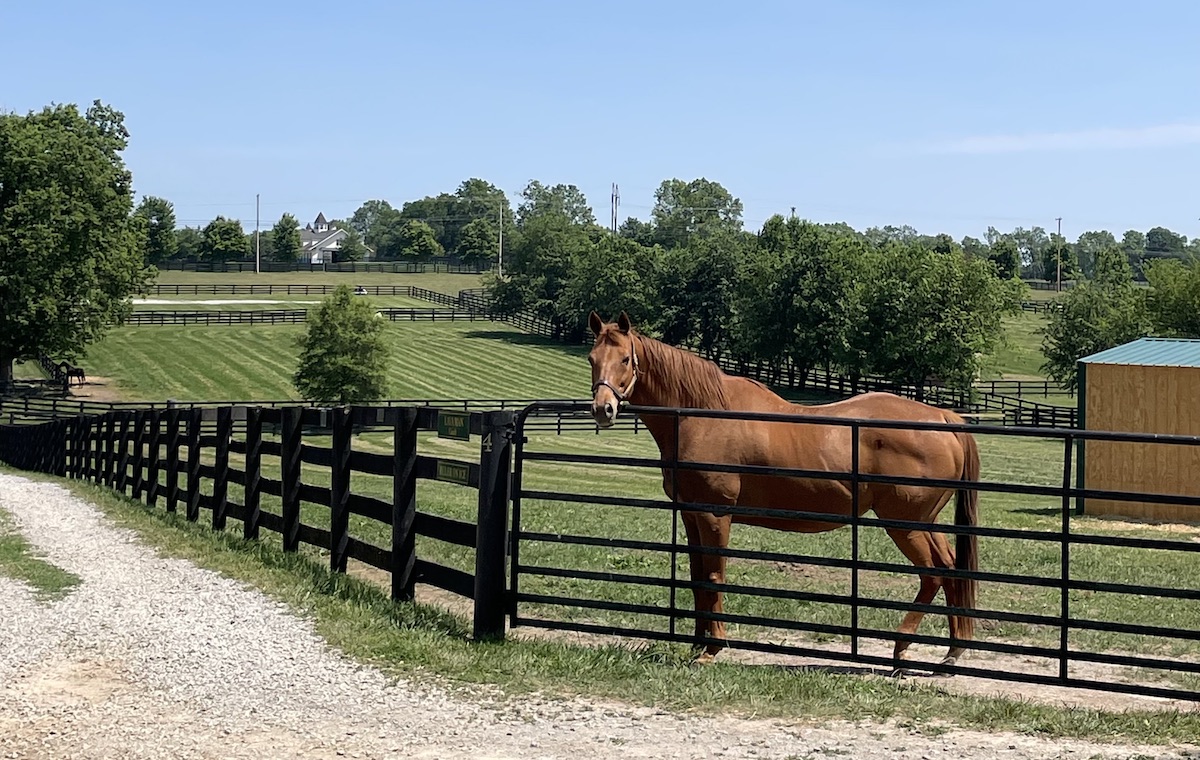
<point>945,115</point>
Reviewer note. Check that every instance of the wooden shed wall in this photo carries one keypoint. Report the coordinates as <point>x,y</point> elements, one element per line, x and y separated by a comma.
<point>1139,399</point>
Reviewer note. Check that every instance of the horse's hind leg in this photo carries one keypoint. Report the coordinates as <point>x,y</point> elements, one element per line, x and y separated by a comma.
<point>960,626</point>
<point>919,547</point>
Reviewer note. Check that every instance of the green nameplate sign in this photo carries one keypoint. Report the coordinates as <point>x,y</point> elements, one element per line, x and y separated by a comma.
<point>456,425</point>
<point>452,472</point>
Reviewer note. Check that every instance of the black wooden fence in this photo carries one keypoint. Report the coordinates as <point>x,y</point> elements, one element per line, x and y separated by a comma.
<point>602,580</point>
<point>446,265</point>
<point>159,454</point>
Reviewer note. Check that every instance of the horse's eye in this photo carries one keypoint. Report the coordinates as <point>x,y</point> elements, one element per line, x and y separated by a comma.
<point>625,360</point>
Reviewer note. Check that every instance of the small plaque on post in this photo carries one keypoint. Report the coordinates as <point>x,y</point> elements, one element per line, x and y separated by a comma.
<point>456,425</point>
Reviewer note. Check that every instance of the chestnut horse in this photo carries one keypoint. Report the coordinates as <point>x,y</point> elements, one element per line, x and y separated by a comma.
<point>629,366</point>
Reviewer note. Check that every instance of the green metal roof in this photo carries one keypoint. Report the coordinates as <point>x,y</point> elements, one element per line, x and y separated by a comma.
<point>1151,352</point>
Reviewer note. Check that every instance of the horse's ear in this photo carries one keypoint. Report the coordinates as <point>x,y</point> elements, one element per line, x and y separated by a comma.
<point>596,323</point>
<point>624,323</point>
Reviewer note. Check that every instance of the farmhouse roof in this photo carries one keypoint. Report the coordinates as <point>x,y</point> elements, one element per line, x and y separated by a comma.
<point>1151,352</point>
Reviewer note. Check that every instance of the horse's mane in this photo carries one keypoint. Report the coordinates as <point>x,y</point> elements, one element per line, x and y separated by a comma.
<point>681,378</point>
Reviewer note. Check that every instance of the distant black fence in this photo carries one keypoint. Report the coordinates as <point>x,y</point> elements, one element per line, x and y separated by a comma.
<point>159,454</point>
<point>17,410</point>
<point>603,580</point>
<point>159,317</point>
<point>436,265</point>
<point>295,289</point>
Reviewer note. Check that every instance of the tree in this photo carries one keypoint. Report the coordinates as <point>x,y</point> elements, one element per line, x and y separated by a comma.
<point>700,207</point>
<point>368,214</point>
<point>1094,316</point>
<point>351,248</point>
<point>159,217</point>
<point>975,247</point>
<point>539,267</point>
<point>1005,257</point>
<point>344,352</point>
<point>479,242</point>
<point>798,294</point>
<point>637,230</point>
<point>927,316</point>
<point>695,290</point>
<point>416,240</point>
<point>1088,248</point>
<point>614,276</point>
<point>1133,244</point>
<point>224,240</point>
<point>1058,259</point>
<point>1174,298</point>
<point>71,254</point>
<point>562,200</point>
<point>285,239</point>
<point>189,242</point>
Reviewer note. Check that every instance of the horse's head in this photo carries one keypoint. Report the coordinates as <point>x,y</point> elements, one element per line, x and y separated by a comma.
<point>614,363</point>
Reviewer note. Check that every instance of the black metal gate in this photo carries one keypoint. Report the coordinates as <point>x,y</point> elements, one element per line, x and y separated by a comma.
<point>595,548</point>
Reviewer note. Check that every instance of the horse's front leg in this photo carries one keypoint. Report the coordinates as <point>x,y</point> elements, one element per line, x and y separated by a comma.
<point>709,531</point>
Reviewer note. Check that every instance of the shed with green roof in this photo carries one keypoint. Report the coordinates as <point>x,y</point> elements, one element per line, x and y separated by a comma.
<point>1150,385</point>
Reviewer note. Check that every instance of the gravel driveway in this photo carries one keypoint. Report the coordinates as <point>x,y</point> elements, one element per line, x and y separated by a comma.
<point>155,658</point>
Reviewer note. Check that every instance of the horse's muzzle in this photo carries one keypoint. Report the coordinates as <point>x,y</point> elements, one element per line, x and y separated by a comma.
<point>604,413</point>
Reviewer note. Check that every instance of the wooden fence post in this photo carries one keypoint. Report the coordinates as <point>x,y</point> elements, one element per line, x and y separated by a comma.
<point>154,416</point>
<point>220,497</point>
<point>253,513</point>
<point>138,459</point>
<point>404,504</point>
<point>172,458</point>
<point>495,462</point>
<point>193,464</point>
<point>290,476</point>
<point>123,452</point>
<point>339,491</point>
<point>110,449</point>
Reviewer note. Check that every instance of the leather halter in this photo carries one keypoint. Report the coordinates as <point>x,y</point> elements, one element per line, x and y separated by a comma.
<point>622,396</point>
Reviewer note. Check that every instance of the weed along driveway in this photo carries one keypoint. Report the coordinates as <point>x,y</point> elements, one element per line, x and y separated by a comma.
<point>150,656</point>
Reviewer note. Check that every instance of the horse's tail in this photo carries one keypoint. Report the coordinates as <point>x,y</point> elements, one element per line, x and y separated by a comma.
<point>966,547</point>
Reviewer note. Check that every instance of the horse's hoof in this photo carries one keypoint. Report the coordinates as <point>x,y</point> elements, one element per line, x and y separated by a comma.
<point>949,661</point>
<point>704,658</point>
<point>899,673</point>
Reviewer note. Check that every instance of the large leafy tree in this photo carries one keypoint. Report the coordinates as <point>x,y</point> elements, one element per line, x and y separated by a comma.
<point>696,289</point>
<point>1174,298</point>
<point>71,253</point>
<point>611,276</point>
<point>700,207</point>
<point>566,201</point>
<point>351,248</point>
<point>367,215</point>
<point>416,239</point>
<point>158,216</point>
<point>928,316</point>
<point>1059,259</point>
<point>799,294</point>
<point>1095,315</point>
<point>479,242</point>
<point>224,240</point>
<point>285,239</point>
<point>344,352</point>
<point>539,267</point>
<point>189,242</point>
<point>1088,248</point>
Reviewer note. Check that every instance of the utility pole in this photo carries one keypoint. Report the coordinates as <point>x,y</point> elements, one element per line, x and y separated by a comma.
<point>1058,254</point>
<point>616,205</point>
<point>793,212</point>
<point>500,252</point>
<point>257,246</point>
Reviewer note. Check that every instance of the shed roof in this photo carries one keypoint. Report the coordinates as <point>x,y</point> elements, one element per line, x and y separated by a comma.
<point>1151,352</point>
